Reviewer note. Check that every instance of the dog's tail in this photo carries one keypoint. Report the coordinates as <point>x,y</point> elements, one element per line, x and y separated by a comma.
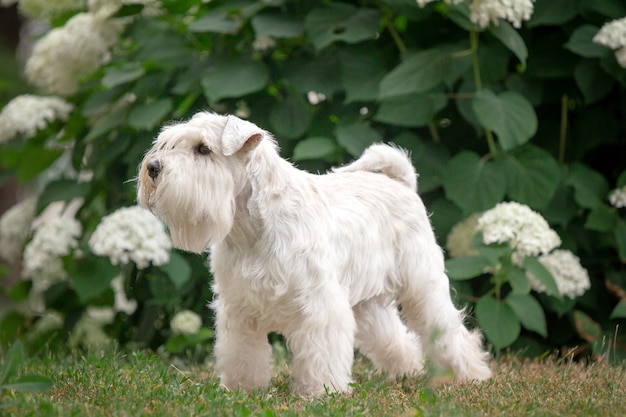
<point>389,160</point>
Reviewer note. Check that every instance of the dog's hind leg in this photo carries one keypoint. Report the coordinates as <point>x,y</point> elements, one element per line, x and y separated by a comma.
<point>428,309</point>
<point>386,341</point>
<point>242,352</point>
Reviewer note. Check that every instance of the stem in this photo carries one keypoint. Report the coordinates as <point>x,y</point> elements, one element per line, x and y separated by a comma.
<point>432,127</point>
<point>392,29</point>
<point>491,143</point>
<point>563,133</point>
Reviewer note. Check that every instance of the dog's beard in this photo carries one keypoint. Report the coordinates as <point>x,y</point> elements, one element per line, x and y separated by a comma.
<point>197,205</point>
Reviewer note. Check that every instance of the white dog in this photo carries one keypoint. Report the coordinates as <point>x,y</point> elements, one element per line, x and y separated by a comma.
<point>332,262</point>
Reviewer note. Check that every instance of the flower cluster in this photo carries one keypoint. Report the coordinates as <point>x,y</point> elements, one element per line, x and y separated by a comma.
<point>525,230</point>
<point>69,52</point>
<point>422,3</point>
<point>26,114</point>
<point>186,322</point>
<point>570,277</point>
<point>613,35</point>
<point>459,241</point>
<point>42,256</point>
<point>483,12</point>
<point>131,234</point>
<point>15,227</point>
<point>617,198</point>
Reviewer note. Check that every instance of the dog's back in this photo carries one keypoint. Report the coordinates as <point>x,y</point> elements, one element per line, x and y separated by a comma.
<point>391,161</point>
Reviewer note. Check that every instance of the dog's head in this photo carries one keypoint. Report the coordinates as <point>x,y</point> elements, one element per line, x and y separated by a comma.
<point>192,174</point>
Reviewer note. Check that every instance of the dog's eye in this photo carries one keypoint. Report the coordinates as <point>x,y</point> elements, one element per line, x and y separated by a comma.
<point>202,149</point>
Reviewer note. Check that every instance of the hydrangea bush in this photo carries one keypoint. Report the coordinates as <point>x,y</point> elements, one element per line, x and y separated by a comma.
<point>512,110</point>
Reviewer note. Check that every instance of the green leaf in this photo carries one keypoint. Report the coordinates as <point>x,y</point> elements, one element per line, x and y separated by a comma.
<point>13,359</point>
<point>612,9</point>
<point>429,157</point>
<point>498,320</point>
<point>412,110</point>
<point>110,122</point>
<point>581,42</point>
<point>592,80</point>
<point>228,78</point>
<point>217,21</point>
<point>92,277</point>
<point>602,218</point>
<point>511,39</point>
<point>553,12</point>
<point>150,115</point>
<point>467,267</point>
<point>62,190</point>
<point>290,118</point>
<point>276,25</point>
<point>532,174</point>
<point>516,277</point>
<point>417,73</point>
<point>362,69</point>
<point>114,76</point>
<point>586,327</point>
<point>619,312</point>
<point>30,383</point>
<point>177,269</point>
<point>590,187</point>
<point>318,74</point>
<point>529,312</point>
<point>620,238</point>
<point>341,22</point>
<point>34,161</point>
<point>473,184</point>
<point>510,115</point>
<point>532,265</point>
<point>317,147</point>
<point>356,137</point>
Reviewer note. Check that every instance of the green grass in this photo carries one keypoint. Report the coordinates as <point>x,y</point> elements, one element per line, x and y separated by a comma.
<point>142,384</point>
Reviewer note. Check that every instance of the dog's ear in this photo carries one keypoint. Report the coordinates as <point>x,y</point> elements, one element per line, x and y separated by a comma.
<point>240,135</point>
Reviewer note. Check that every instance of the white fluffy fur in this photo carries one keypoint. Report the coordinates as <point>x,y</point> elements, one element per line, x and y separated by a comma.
<point>323,259</point>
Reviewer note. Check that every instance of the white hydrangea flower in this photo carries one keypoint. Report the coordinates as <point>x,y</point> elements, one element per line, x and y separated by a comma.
<point>15,227</point>
<point>36,9</point>
<point>571,278</point>
<point>459,240</point>
<point>101,315</point>
<point>132,234</point>
<point>88,332</point>
<point>613,35</point>
<point>525,230</point>
<point>186,322</point>
<point>263,43</point>
<point>422,3</point>
<point>69,52</point>
<point>42,256</point>
<point>26,114</point>
<point>483,12</point>
<point>122,302</point>
<point>617,198</point>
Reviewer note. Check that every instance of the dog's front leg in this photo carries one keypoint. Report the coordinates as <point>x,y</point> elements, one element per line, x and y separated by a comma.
<point>322,344</point>
<point>242,352</point>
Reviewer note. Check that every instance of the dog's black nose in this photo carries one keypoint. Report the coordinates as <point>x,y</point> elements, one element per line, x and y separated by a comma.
<point>154,168</point>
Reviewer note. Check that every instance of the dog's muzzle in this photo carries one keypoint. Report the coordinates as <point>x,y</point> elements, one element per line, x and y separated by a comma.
<point>154,169</point>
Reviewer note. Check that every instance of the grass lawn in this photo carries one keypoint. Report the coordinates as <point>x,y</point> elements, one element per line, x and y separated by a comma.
<point>142,384</point>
